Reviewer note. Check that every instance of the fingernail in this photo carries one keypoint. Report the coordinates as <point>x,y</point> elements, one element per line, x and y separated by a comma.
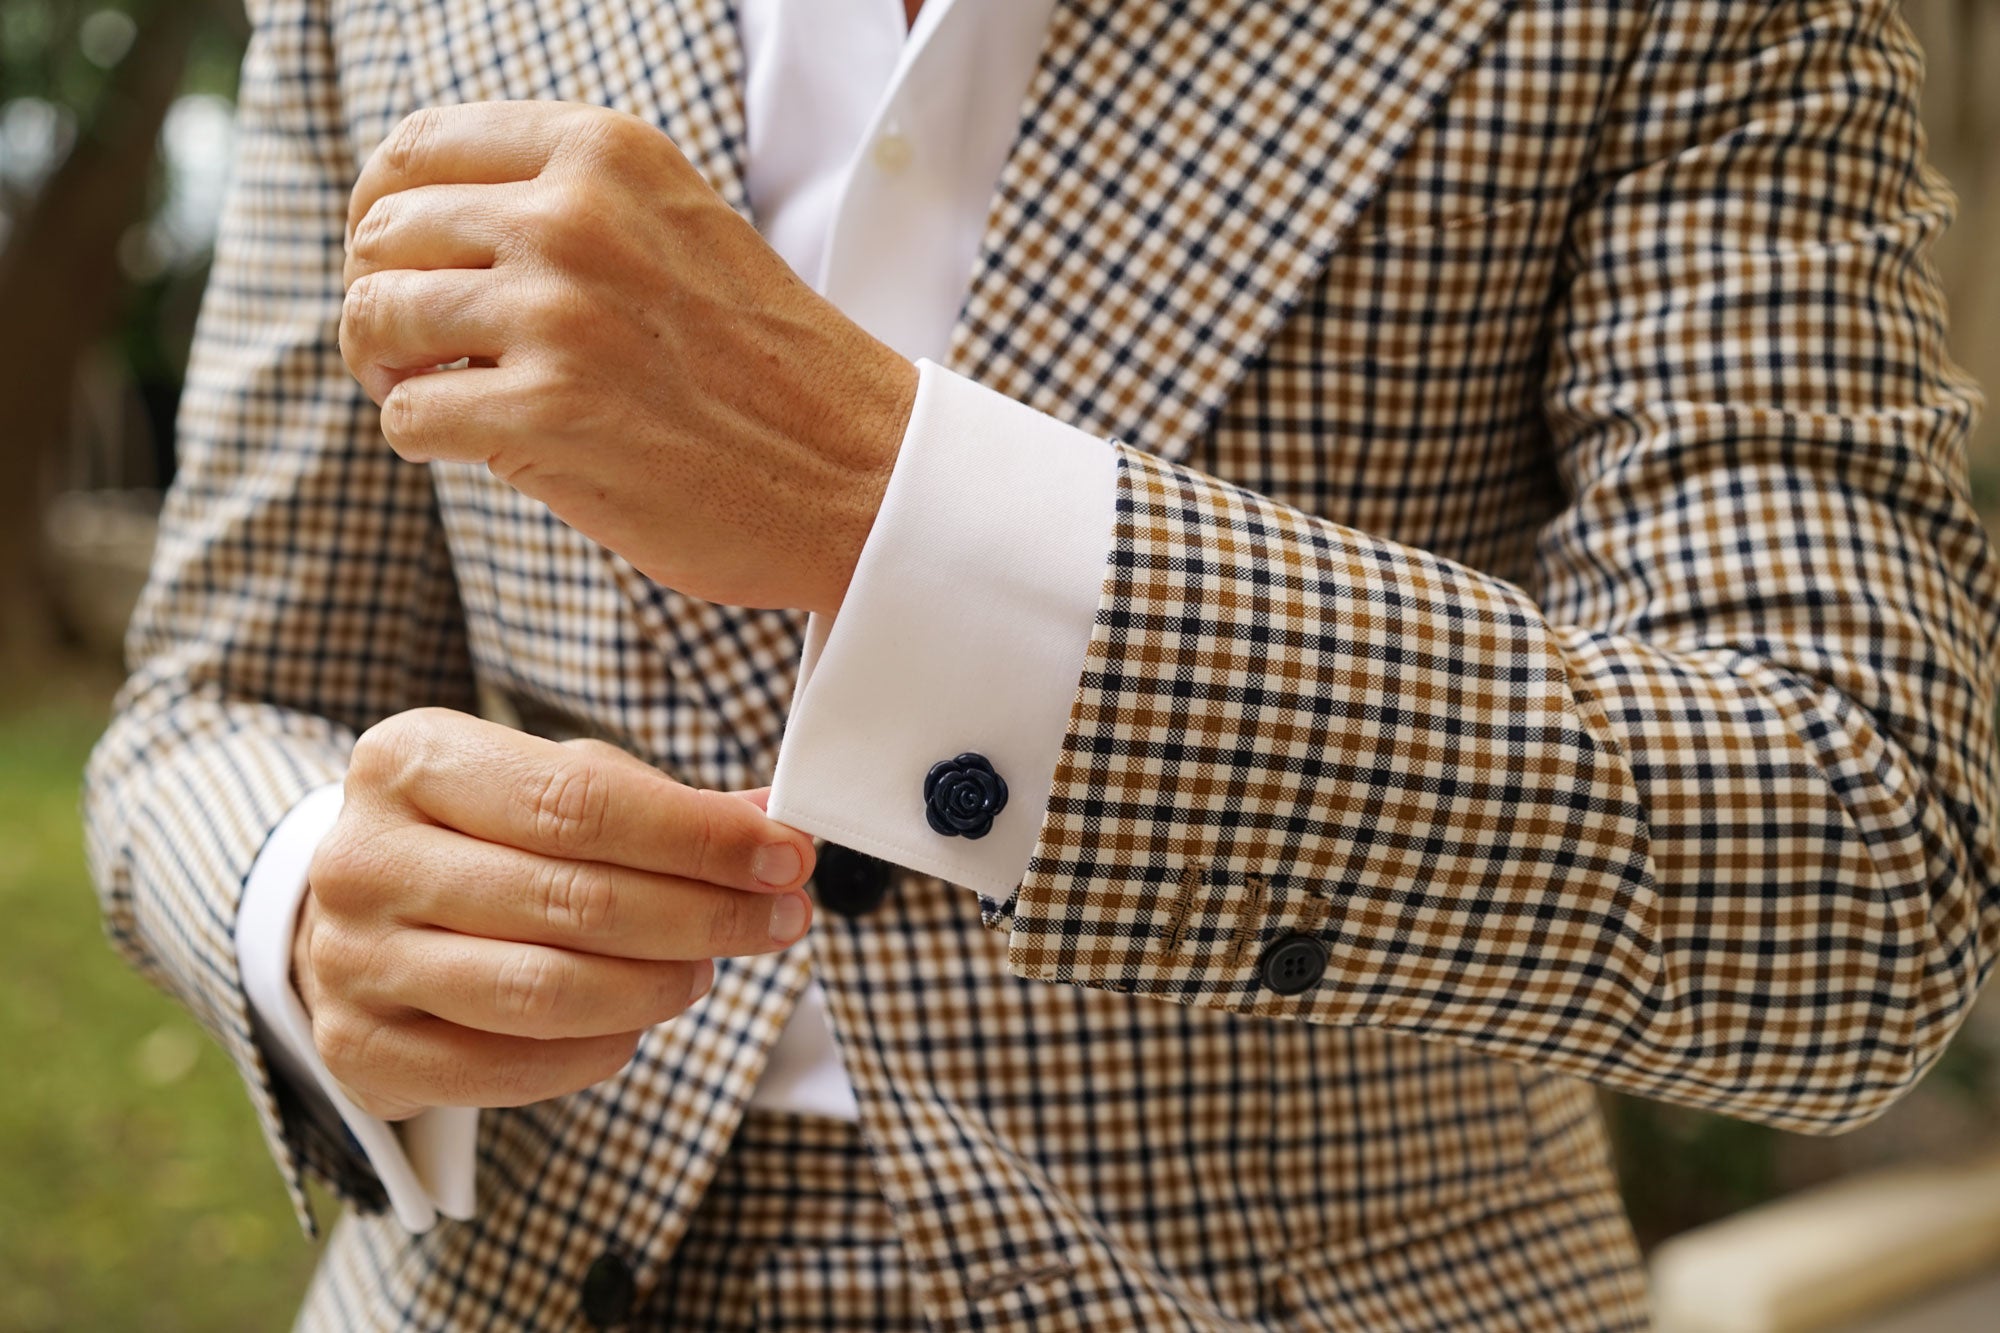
<point>788,917</point>
<point>776,864</point>
<point>704,978</point>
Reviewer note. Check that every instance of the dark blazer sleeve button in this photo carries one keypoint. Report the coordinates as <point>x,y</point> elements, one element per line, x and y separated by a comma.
<point>963,795</point>
<point>850,883</point>
<point>608,1292</point>
<point>1292,964</point>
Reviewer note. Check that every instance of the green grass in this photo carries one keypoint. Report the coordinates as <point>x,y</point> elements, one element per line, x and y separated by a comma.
<point>135,1192</point>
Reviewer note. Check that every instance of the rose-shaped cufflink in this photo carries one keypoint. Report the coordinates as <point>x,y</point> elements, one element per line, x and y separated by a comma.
<point>962,795</point>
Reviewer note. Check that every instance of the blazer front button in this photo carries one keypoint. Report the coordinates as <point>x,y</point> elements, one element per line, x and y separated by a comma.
<point>608,1292</point>
<point>1293,964</point>
<point>849,882</point>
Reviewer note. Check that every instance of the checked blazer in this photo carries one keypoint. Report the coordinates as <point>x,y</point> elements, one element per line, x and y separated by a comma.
<point>1544,574</point>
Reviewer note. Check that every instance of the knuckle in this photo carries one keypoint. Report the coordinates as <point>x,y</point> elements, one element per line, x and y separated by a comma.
<point>372,232</point>
<point>531,987</point>
<point>389,757</point>
<point>338,864</point>
<point>513,1081</point>
<point>410,146</point>
<point>560,313</point>
<point>342,877</point>
<point>403,426</point>
<point>592,748</point>
<point>329,954</point>
<point>579,899</point>
<point>549,220</point>
<point>361,311</point>
<point>627,130</point>
<point>502,1083</point>
<point>344,1039</point>
<point>372,749</point>
<point>725,832</point>
<point>704,833</point>
<point>353,342</point>
<point>547,404</point>
<point>730,922</point>
<point>570,807</point>
<point>608,132</point>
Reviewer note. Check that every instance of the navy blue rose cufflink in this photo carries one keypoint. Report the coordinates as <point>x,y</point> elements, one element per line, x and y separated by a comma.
<point>962,796</point>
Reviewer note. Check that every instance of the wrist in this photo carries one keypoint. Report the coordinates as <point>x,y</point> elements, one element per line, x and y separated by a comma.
<point>869,438</point>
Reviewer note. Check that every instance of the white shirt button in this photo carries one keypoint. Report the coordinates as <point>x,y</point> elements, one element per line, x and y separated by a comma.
<point>893,151</point>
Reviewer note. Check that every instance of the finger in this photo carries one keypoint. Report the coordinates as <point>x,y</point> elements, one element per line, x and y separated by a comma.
<point>396,323</point>
<point>404,1065</point>
<point>433,226</point>
<point>523,791</point>
<point>479,143</point>
<point>520,990</point>
<point>461,415</point>
<point>473,887</point>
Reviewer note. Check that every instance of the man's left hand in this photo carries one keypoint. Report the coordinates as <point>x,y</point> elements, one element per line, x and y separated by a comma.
<point>640,360</point>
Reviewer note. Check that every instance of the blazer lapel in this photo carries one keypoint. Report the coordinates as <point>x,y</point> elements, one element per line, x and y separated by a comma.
<point>1182,172</point>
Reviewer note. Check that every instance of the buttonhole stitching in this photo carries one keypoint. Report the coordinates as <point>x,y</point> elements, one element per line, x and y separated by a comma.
<point>996,1283</point>
<point>1250,920</point>
<point>1183,901</point>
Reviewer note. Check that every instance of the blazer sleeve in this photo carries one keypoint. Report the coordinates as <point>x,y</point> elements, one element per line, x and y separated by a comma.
<point>301,589</point>
<point>1704,809</point>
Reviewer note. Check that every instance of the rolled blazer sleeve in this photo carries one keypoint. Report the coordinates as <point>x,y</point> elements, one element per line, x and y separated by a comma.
<point>1704,809</point>
<point>301,589</point>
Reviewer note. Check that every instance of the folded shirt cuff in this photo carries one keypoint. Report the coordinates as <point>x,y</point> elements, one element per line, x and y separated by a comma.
<point>963,633</point>
<point>425,1163</point>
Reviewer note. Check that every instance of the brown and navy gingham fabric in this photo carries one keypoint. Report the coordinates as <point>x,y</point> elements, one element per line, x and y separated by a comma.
<point>1544,572</point>
<point>792,1236</point>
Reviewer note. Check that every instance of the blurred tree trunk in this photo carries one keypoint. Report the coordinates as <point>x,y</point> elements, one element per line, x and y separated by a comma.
<point>60,284</point>
<point>1961,40</point>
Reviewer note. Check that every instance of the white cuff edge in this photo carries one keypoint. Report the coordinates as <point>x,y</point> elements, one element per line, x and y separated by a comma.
<point>265,922</point>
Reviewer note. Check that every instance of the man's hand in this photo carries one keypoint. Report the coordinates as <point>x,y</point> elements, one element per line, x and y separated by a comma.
<point>496,918</point>
<point>641,361</point>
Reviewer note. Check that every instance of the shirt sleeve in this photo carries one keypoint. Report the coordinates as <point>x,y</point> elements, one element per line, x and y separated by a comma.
<point>963,632</point>
<point>425,1163</point>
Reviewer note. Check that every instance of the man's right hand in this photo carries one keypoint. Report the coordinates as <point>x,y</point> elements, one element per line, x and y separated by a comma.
<point>496,918</point>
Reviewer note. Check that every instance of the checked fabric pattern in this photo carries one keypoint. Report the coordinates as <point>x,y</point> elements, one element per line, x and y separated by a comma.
<point>1679,774</point>
<point>1544,572</point>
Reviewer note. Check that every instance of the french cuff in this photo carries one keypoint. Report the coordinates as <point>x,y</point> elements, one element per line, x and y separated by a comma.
<point>930,712</point>
<point>426,1163</point>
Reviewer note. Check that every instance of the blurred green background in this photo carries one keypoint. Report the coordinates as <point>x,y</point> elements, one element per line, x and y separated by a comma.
<point>134,1190</point>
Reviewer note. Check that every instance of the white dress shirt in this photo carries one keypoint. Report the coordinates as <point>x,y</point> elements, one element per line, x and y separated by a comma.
<point>872,156</point>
